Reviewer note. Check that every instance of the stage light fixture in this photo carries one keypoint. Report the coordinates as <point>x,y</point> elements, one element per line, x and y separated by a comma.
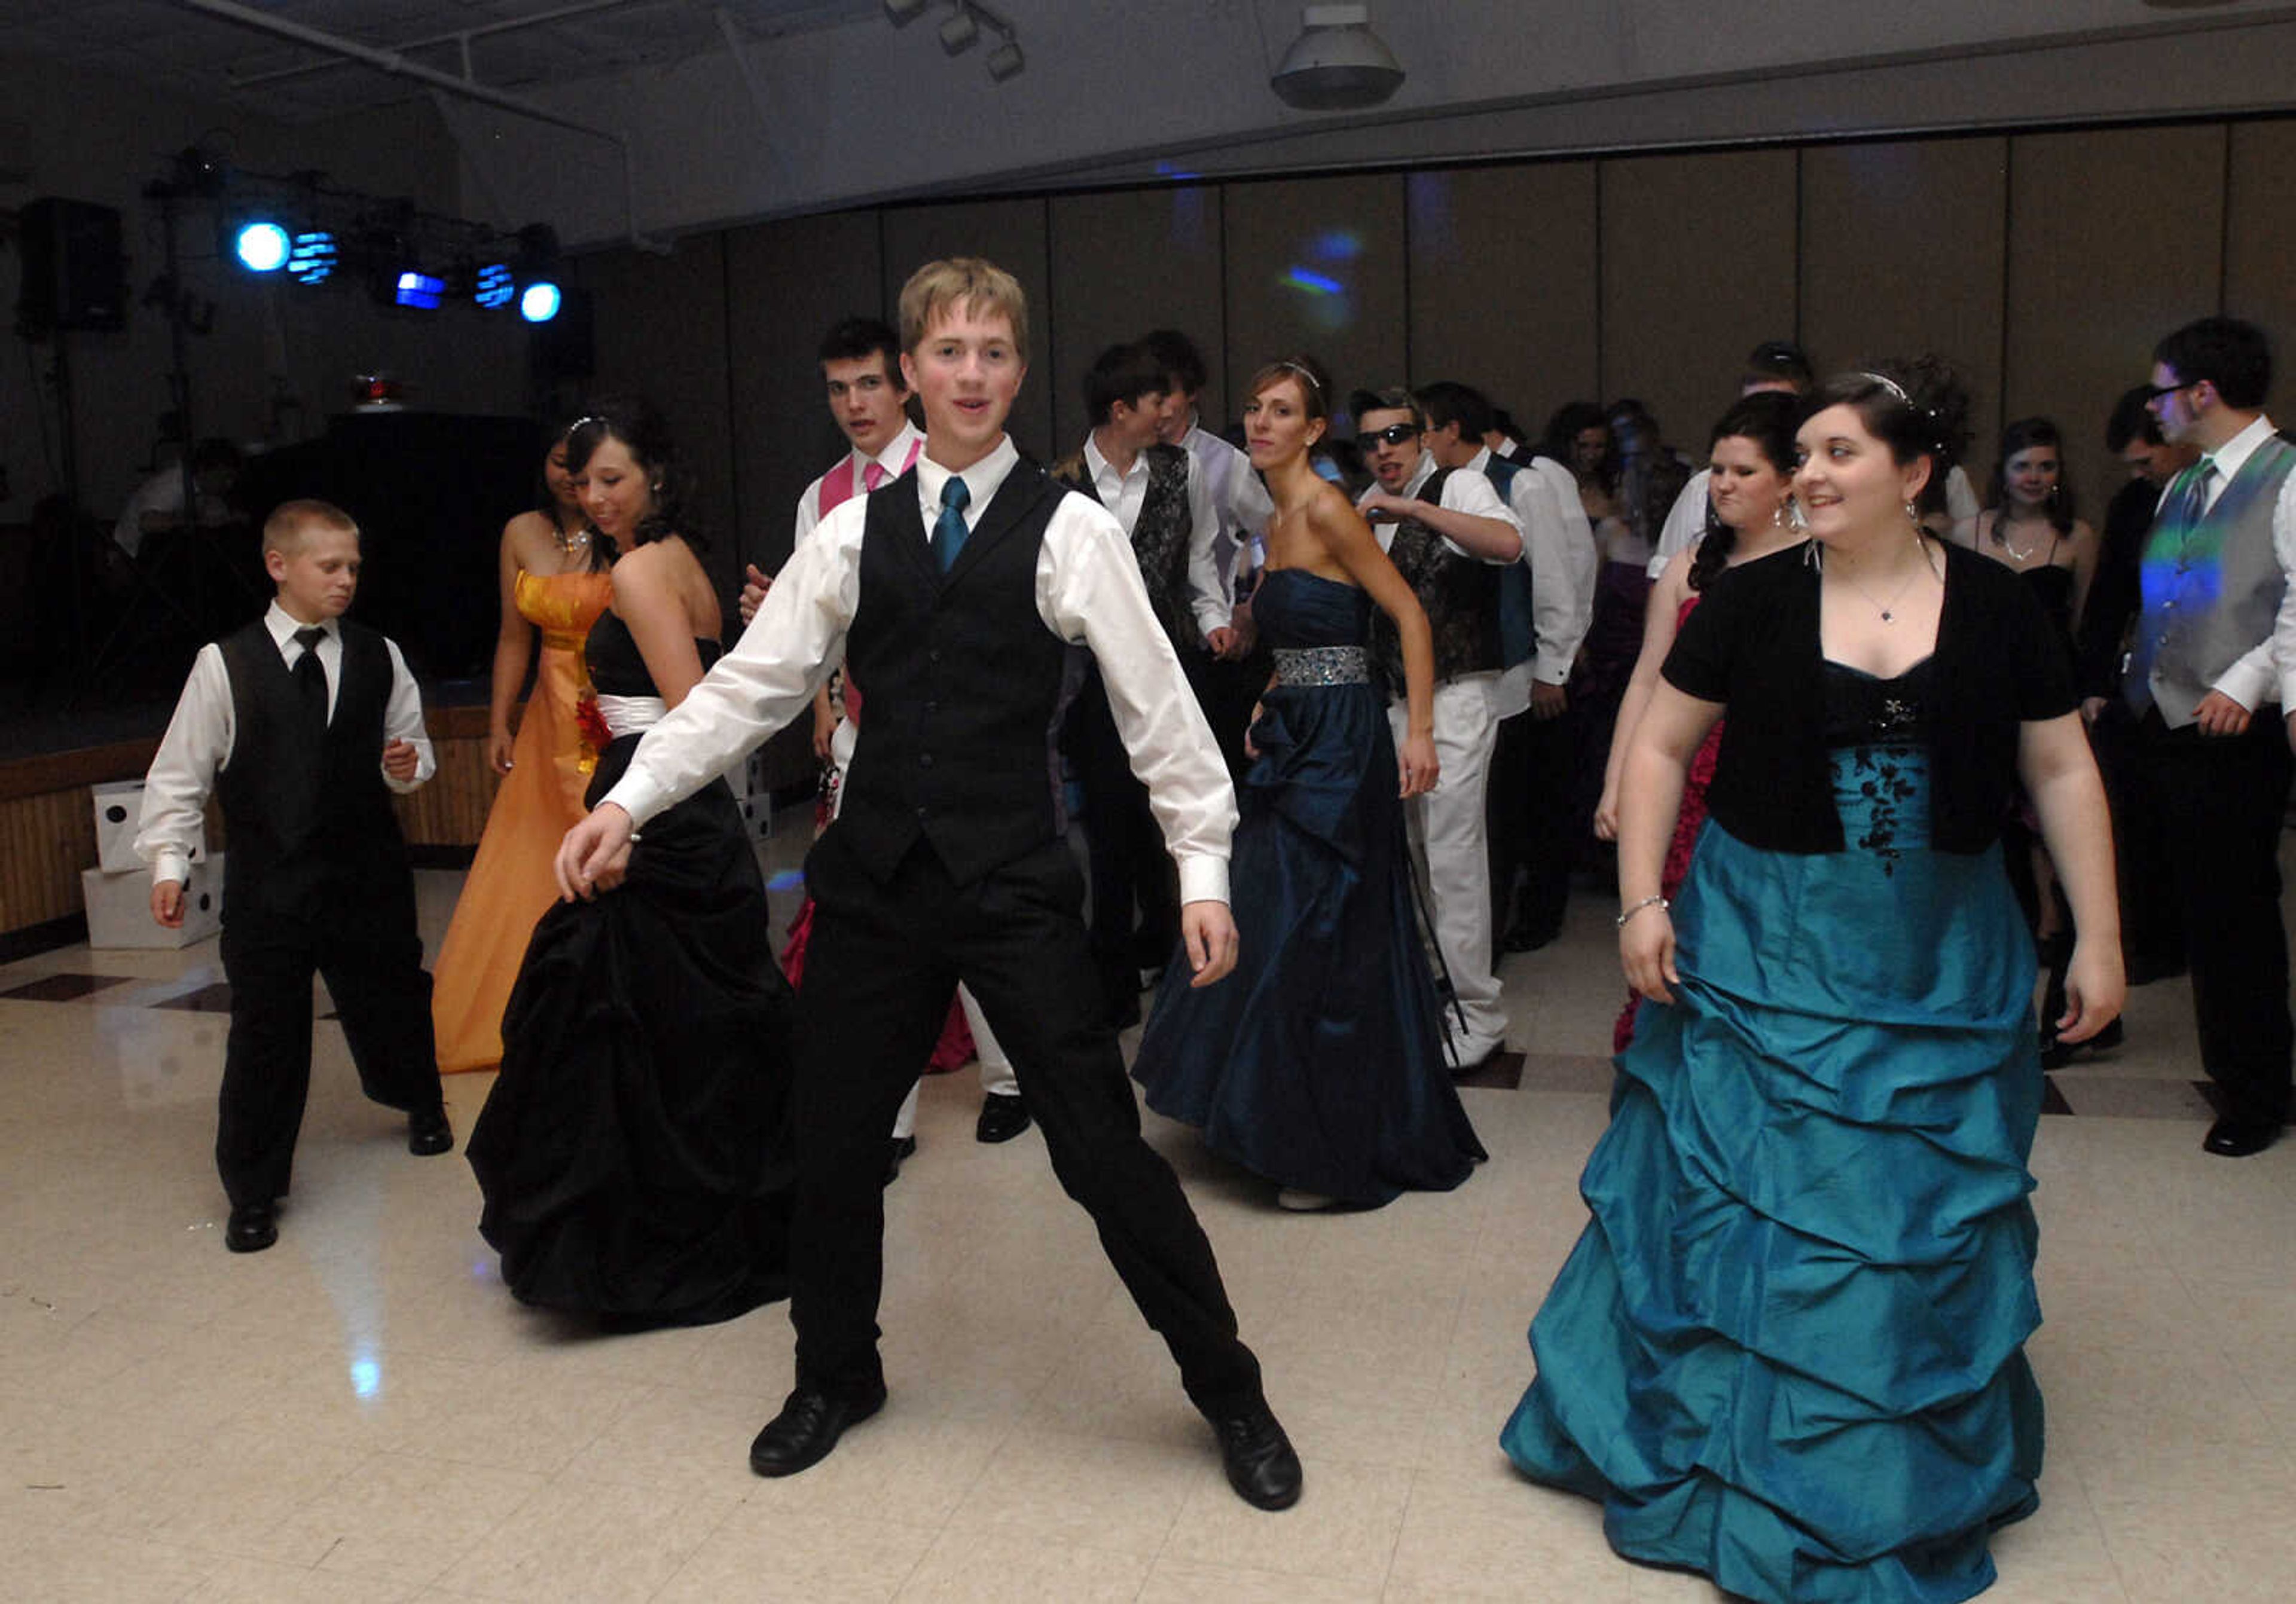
<point>1337,63</point>
<point>904,12</point>
<point>496,286</point>
<point>1006,61</point>
<point>261,246</point>
<point>313,257</point>
<point>959,32</point>
<point>421,291</point>
<point>539,301</point>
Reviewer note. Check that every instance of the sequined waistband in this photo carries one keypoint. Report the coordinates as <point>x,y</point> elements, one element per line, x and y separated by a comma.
<point>1322,665</point>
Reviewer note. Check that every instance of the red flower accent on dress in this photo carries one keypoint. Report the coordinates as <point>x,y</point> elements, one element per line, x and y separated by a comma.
<point>592,723</point>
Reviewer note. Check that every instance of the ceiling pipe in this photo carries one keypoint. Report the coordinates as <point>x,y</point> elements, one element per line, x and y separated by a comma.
<point>462,36</point>
<point>397,65</point>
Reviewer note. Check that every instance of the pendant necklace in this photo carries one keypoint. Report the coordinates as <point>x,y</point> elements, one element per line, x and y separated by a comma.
<point>1886,609</point>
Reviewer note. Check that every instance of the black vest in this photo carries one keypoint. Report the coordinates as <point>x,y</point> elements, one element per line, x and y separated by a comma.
<point>1159,537</point>
<point>312,833</point>
<point>1460,594</point>
<point>963,680</point>
<point>1518,631</point>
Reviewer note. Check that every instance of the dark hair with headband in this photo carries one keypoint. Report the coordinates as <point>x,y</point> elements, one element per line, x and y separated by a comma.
<point>1315,384</point>
<point>1768,419</point>
<point>645,436</point>
<point>1917,409</point>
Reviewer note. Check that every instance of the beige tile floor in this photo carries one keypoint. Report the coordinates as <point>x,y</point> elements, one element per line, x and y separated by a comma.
<point>363,1414</point>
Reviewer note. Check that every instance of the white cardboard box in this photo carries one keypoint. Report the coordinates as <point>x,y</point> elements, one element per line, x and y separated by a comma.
<point>118,814</point>
<point>119,907</point>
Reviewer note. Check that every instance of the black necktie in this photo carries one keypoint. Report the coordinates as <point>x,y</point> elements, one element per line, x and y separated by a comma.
<point>948,528</point>
<point>311,679</point>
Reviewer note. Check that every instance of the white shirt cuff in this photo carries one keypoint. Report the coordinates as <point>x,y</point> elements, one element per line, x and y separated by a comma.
<point>638,796</point>
<point>171,865</point>
<point>1203,879</point>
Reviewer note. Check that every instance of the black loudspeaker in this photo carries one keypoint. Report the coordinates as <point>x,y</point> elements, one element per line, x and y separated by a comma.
<point>74,276</point>
<point>567,346</point>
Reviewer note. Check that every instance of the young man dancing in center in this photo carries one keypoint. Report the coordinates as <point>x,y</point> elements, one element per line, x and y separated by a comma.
<point>954,596</point>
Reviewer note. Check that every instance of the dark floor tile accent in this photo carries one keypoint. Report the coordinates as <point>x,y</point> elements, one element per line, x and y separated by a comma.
<point>208,999</point>
<point>2053,1102</point>
<point>61,988</point>
<point>1502,1071</point>
<point>46,936</point>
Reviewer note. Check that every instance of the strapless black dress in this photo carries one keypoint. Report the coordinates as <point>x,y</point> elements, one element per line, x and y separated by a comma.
<point>628,1152</point>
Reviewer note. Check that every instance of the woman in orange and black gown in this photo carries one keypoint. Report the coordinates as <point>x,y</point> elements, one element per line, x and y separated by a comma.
<point>554,581</point>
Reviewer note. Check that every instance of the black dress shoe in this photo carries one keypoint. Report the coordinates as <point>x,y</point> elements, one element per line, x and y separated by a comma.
<point>427,1134</point>
<point>807,1428</point>
<point>1260,1465</point>
<point>1003,1115</point>
<point>900,1148</point>
<point>1529,938</point>
<point>253,1227</point>
<point>2238,1135</point>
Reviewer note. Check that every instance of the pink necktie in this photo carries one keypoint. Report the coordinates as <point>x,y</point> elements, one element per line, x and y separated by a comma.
<point>873,476</point>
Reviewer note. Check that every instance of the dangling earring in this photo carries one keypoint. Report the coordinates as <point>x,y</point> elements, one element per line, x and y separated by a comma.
<point>1914,517</point>
<point>1778,514</point>
<point>1812,556</point>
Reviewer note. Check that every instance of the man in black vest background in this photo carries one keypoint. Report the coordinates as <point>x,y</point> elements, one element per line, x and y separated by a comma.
<point>955,596</point>
<point>302,724</point>
<point>1452,539</point>
<point>1165,508</point>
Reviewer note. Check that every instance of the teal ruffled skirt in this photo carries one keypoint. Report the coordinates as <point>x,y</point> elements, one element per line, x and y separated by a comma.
<point>1788,1350</point>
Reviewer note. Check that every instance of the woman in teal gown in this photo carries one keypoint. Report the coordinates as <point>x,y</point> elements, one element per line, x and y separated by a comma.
<point>1788,1350</point>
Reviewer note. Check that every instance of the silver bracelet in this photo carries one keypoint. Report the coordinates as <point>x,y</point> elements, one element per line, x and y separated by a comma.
<point>1633,908</point>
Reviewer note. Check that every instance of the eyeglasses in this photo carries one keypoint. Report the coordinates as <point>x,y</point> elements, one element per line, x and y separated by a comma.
<point>1394,434</point>
<point>2153,392</point>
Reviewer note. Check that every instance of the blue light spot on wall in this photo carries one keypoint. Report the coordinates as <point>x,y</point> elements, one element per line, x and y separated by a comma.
<point>367,1378</point>
<point>1165,170</point>
<point>1314,283</point>
<point>1336,245</point>
<point>788,879</point>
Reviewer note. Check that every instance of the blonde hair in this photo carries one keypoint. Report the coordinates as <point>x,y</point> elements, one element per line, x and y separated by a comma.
<point>290,522</point>
<point>981,287</point>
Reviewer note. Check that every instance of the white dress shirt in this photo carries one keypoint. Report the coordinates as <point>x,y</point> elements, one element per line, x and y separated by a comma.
<point>1089,593</point>
<point>1462,491</point>
<point>197,746</point>
<point>894,460</point>
<point>1238,496</point>
<point>2267,671</point>
<point>1125,494</point>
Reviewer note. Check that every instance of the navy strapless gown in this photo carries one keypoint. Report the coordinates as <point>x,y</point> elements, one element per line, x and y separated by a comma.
<point>1319,1062</point>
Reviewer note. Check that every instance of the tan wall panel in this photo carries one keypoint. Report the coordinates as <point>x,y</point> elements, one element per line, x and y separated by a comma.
<point>1901,254</point>
<point>1316,265</point>
<point>661,334</point>
<point>790,283</point>
<point>1503,287</point>
<point>1010,234</point>
<point>2116,240</point>
<point>1698,266</point>
<point>1123,263</point>
<point>2261,244</point>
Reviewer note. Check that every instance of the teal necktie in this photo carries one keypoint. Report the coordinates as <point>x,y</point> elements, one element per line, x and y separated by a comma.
<point>948,528</point>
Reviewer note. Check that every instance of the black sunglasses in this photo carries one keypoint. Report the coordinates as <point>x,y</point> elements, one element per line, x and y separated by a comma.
<point>1394,434</point>
<point>2153,392</point>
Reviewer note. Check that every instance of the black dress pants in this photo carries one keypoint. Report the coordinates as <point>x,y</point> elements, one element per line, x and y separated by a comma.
<point>1538,753</point>
<point>372,960</point>
<point>2219,801</point>
<point>2150,936</point>
<point>884,955</point>
<point>1136,905</point>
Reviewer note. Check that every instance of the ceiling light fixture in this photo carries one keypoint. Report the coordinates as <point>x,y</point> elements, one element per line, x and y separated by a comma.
<point>1337,63</point>
<point>904,12</point>
<point>959,32</point>
<point>1006,61</point>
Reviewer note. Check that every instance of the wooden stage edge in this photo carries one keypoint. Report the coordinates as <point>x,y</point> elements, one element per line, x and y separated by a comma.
<point>47,820</point>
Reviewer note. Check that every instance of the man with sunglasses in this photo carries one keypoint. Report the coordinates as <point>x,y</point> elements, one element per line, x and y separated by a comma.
<point>1450,536</point>
<point>2206,654</point>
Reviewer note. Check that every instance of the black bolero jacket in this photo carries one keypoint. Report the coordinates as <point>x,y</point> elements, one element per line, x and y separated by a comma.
<point>1752,644</point>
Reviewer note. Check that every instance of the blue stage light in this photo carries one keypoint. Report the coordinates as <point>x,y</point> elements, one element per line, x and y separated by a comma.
<point>422,291</point>
<point>539,301</point>
<point>313,259</point>
<point>496,286</point>
<point>261,247</point>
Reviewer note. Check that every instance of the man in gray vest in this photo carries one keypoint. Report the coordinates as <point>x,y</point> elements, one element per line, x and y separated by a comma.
<point>2200,665</point>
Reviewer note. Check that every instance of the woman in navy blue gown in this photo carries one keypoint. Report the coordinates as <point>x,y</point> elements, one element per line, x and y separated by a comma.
<point>1788,1352</point>
<point>1319,1062</point>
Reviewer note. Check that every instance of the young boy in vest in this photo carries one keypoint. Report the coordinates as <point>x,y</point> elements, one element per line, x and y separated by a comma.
<point>955,595</point>
<point>302,724</point>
